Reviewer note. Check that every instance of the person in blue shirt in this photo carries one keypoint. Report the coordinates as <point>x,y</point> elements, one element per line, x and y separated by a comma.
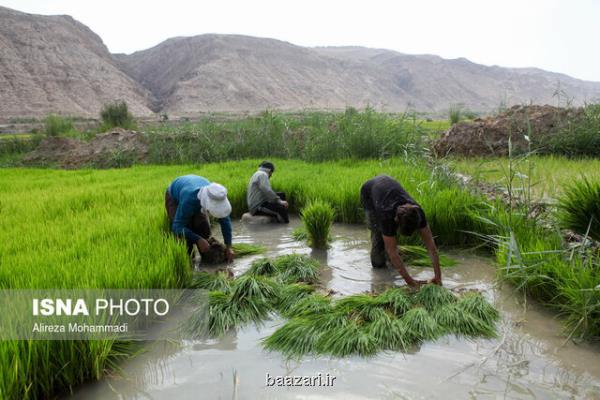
<point>189,201</point>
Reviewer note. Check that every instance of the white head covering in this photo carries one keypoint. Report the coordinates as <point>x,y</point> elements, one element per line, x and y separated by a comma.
<point>213,199</point>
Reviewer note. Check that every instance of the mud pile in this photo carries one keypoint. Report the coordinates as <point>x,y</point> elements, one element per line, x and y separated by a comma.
<point>116,148</point>
<point>490,135</point>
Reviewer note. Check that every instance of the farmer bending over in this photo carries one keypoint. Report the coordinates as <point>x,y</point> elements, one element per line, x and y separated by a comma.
<point>390,210</point>
<point>262,200</point>
<point>189,201</point>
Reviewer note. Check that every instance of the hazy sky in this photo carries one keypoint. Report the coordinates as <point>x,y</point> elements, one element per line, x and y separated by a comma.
<point>556,35</point>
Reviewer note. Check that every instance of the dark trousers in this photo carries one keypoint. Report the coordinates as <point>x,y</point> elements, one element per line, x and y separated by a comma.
<point>199,223</point>
<point>378,254</point>
<point>274,209</point>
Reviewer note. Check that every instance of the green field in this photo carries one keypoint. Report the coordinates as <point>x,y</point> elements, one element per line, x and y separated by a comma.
<point>549,174</point>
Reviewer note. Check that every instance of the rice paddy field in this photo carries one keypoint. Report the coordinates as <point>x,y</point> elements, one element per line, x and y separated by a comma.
<point>105,229</point>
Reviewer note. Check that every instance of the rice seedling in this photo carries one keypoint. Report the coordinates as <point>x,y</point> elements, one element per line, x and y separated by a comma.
<point>223,313</point>
<point>397,300</point>
<point>417,256</point>
<point>388,333</point>
<point>291,294</point>
<point>364,306</point>
<point>309,305</point>
<point>249,288</point>
<point>419,325</point>
<point>579,208</point>
<point>433,296</point>
<point>294,268</point>
<point>317,217</point>
<point>475,304</point>
<point>210,281</point>
<point>347,340</point>
<point>299,234</point>
<point>294,339</point>
<point>262,266</point>
<point>453,319</point>
<point>246,249</point>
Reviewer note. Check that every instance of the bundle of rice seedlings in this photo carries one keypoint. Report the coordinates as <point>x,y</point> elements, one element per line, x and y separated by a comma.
<point>210,281</point>
<point>434,296</point>
<point>262,266</point>
<point>452,319</point>
<point>388,334</point>
<point>396,299</point>
<point>579,208</point>
<point>223,313</point>
<point>417,256</point>
<point>317,217</point>
<point>297,268</point>
<point>347,340</point>
<point>309,305</point>
<point>254,288</point>
<point>246,249</point>
<point>419,325</point>
<point>290,294</point>
<point>363,305</point>
<point>294,339</point>
<point>475,304</point>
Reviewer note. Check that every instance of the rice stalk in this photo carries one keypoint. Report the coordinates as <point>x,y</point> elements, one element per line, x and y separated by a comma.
<point>347,340</point>
<point>291,294</point>
<point>246,249</point>
<point>211,281</point>
<point>420,325</point>
<point>452,319</point>
<point>294,268</point>
<point>309,305</point>
<point>397,300</point>
<point>262,266</point>
<point>475,304</point>
<point>417,256</point>
<point>317,217</point>
<point>433,296</point>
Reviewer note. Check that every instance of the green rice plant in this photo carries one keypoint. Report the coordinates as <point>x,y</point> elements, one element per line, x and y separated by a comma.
<point>417,256</point>
<point>294,339</point>
<point>246,249</point>
<point>262,266</point>
<point>419,325</point>
<point>475,304</point>
<point>56,125</point>
<point>579,208</point>
<point>248,288</point>
<point>364,306</point>
<point>453,319</point>
<point>223,313</point>
<point>293,268</point>
<point>433,296</point>
<point>299,234</point>
<point>291,294</point>
<point>388,333</point>
<point>211,281</point>
<point>317,217</point>
<point>347,340</point>
<point>309,305</point>
<point>397,300</point>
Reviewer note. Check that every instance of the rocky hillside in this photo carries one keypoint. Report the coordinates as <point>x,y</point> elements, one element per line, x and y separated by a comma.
<point>56,64</point>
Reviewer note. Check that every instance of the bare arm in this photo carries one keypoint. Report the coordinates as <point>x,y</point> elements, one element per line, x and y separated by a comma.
<point>427,238</point>
<point>391,247</point>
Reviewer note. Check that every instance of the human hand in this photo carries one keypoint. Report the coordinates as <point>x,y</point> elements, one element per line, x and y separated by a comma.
<point>284,203</point>
<point>203,245</point>
<point>229,254</point>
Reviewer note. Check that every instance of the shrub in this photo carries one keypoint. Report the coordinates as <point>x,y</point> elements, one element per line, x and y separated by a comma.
<point>318,217</point>
<point>116,115</point>
<point>579,137</point>
<point>579,208</point>
<point>454,115</point>
<point>55,125</point>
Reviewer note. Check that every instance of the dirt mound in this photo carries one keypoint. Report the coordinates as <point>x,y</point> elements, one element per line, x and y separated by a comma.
<point>116,148</point>
<point>489,136</point>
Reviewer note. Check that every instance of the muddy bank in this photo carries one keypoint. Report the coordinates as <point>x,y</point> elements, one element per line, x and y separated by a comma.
<point>527,361</point>
<point>115,148</point>
<point>490,135</point>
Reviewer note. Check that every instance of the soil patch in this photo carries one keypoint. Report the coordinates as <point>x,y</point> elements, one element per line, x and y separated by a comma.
<point>490,135</point>
<point>116,148</point>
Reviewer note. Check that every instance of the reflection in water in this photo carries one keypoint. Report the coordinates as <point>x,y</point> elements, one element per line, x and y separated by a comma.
<point>527,360</point>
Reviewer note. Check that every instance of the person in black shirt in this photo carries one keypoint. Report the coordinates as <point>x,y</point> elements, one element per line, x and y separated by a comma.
<point>390,210</point>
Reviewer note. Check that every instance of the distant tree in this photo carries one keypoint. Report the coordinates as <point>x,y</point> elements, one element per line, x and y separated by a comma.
<point>116,114</point>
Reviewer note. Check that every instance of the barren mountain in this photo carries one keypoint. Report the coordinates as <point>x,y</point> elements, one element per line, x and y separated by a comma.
<point>56,64</point>
<point>240,73</point>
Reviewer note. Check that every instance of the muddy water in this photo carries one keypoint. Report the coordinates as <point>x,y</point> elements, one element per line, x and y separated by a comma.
<point>529,360</point>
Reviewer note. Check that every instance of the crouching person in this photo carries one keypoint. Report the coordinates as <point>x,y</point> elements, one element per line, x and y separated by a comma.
<point>262,200</point>
<point>189,201</point>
